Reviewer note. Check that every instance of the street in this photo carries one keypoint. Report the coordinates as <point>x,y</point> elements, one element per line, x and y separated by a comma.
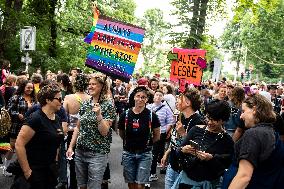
<point>117,180</point>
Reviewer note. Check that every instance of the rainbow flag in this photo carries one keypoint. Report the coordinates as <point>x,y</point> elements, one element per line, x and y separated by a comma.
<point>114,47</point>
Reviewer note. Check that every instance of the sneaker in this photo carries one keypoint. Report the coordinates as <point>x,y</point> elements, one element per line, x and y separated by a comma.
<point>147,186</point>
<point>5,173</point>
<point>153,177</point>
<point>159,165</point>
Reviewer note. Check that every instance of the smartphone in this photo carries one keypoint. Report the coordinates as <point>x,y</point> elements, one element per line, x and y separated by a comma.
<point>194,144</point>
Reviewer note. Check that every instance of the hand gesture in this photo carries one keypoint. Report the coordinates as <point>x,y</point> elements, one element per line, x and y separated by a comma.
<point>97,109</point>
<point>164,160</point>
<point>187,149</point>
<point>69,153</point>
<point>28,174</point>
<point>204,156</point>
<point>180,129</point>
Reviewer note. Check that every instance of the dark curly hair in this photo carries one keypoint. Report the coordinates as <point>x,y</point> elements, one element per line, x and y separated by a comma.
<point>81,82</point>
<point>64,78</point>
<point>193,95</point>
<point>21,88</point>
<point>47,92</point>
<point>218,110</point>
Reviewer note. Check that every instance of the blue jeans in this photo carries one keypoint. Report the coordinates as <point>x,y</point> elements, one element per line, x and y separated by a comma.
<point>90,168</point>
<point>136,167</point>
<point>170,177</point>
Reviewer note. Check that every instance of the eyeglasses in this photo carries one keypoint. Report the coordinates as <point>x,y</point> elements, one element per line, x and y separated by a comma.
<point>59,99</point>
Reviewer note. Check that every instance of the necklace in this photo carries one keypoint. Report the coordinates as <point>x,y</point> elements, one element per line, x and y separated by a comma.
<point>219,136</point>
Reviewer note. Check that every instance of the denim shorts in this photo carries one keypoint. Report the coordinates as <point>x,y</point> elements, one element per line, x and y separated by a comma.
<point>136,167</point>
<point>90,168</point>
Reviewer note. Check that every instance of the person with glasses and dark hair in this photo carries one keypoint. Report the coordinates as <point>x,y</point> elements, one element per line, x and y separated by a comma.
<point>139,128</point>
<point>92,135</point>
<point>39,140</point>
<point>207,150</point>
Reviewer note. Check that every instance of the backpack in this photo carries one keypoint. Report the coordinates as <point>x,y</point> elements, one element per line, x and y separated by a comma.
<point>5,122</point>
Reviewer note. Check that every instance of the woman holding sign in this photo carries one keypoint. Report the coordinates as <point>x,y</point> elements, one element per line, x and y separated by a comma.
<point>93,135</point>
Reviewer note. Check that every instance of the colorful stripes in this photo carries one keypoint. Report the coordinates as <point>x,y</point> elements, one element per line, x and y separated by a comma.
<point>114,47</point>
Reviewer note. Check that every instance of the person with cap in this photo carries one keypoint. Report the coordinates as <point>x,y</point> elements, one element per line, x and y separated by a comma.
<point>139,128</point>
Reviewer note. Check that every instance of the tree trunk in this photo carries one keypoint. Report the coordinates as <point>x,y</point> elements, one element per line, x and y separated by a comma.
<point>53,29</point>
<point>202,18</point>
<point>9,28</point>
<point>191,41</point>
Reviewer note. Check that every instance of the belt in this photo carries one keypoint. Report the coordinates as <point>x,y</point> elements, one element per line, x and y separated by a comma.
<point>141,151</point>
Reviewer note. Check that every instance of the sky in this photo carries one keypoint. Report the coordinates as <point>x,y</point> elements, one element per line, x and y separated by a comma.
<point>216,28</point>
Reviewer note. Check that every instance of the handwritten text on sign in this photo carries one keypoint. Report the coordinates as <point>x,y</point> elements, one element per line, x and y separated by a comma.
<point>185,67</point>
<point>114,47</point>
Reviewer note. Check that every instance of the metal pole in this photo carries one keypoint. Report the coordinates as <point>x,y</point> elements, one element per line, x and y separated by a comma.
<point>27,62</point>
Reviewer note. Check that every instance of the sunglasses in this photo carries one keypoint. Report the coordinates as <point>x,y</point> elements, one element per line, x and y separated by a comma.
<point>59,99</point>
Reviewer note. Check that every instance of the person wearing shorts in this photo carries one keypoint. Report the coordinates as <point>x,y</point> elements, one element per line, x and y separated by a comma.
<point>139,128</point>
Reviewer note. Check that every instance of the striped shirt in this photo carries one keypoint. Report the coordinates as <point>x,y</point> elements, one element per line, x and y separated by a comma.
<point>164,114</point>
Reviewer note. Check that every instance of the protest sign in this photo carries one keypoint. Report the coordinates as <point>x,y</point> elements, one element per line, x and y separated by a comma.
<point>114,47</point>
<point>186,67</point>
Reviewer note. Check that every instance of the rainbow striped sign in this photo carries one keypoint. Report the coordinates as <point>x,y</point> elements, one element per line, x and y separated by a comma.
<point>114,47</point>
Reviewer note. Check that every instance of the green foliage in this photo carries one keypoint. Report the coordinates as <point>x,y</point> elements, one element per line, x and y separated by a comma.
<point>263,39</point>
<point>153,50</point>
<point>73,22</point>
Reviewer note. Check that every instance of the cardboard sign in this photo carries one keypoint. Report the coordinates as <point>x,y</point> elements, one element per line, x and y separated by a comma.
<point>114,47</point>
<point>186,67</point>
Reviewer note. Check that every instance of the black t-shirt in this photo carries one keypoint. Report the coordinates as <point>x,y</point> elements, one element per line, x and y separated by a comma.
<point>176,140</point>
<point>278,125</point>
<point>42,148</point>
<point>220,145</point>
<point>137,131</point>
<point>256,144</point>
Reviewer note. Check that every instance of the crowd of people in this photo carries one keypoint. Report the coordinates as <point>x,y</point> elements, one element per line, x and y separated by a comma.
<point>216,135</point>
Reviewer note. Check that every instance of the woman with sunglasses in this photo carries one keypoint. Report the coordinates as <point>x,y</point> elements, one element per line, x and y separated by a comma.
<point>259,153</point>
<point>38,141</point>
<point>93,134</point>
<point>207,150</point>
<point>23,99</point>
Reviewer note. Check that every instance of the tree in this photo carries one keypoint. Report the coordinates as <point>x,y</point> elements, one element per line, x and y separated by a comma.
<point>192,16</point>
<point>262,38</point>
<point>153,49</point>
<point>61,28</point>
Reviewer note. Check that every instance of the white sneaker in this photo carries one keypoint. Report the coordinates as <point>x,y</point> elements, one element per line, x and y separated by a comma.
<point>5,173</point>
<point>159,165</point>
<point>153,177</point>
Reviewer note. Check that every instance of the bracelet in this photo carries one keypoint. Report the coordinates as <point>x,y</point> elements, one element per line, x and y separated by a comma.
<point>100,120</point>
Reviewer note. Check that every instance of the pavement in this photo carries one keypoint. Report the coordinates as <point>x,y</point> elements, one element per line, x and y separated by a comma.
<point>117,180</point>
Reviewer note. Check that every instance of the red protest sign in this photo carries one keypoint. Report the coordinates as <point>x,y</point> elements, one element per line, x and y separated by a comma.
<point>186,67</point>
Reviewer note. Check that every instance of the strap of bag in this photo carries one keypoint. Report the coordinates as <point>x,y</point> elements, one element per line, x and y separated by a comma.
<point>159,108</point>
<point>170,107</point>
<point>78,98</point>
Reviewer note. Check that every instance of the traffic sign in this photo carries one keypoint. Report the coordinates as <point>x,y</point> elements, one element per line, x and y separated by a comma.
<point>28,38</point>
